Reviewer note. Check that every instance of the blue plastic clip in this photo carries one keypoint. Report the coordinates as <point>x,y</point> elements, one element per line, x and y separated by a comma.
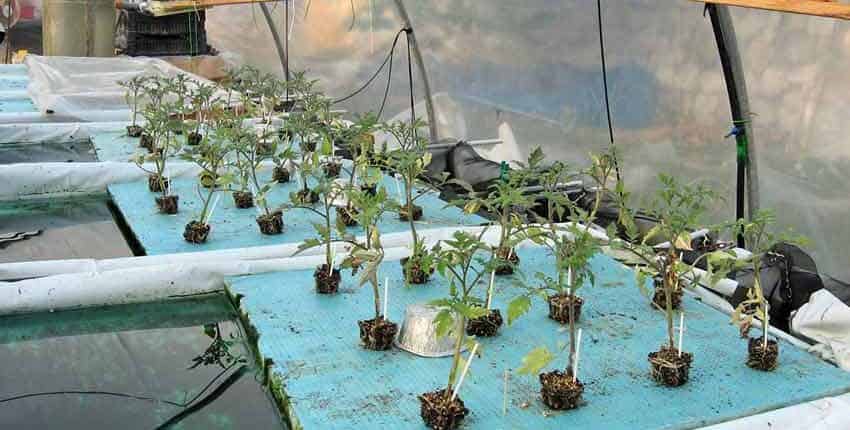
<point>736,131</point>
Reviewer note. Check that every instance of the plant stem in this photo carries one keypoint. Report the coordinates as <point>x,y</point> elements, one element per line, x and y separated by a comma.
<point>408,185</point>
<point>571,292</point>
<point>456,358</point>
<point>668,284</point>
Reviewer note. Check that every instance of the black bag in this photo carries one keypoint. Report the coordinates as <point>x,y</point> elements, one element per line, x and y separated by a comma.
<point>466,165</point>
<point>788,278</point>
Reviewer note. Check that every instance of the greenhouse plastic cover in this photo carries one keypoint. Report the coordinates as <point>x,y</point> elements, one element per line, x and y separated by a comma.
<point>87,89</point>
<point>533,69</point>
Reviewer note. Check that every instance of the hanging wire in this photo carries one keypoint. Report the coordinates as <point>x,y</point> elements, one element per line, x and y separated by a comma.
<point>605,87</point>
<point>387,60</point>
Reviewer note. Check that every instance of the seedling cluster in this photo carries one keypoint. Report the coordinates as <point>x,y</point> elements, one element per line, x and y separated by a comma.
<point>257,132</point>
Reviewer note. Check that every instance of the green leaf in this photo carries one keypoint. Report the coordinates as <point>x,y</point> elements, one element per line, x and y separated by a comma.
<point>518,307</point>
<point>683,242</point>
<point>444,322</point>
<point>535,361</point>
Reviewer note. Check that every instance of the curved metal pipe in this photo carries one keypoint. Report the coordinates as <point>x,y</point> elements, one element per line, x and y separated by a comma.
<point>276,37</point>
<point>420,65</point>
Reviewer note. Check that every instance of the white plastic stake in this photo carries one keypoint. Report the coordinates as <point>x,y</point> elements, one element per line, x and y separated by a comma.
<point>766,324</point>
<point>505,395</point>
<point>397,187</point>
<point>578,354</point>
<point>386,295</point>
<point>254,195</point>
<point>209,214</point>
<point>333,258</point>
<point>465,369</point>
<point>490,288</point>
<point>681,331</point>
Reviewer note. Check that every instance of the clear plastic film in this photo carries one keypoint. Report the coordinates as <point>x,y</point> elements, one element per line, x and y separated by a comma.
<point>531,73</point>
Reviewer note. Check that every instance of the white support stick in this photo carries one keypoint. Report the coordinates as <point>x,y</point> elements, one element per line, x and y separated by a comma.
<point>331,267</point>
<point>766,327</point>
<point>505,394</point>
<point>254,195</point>
<point>386,295</point>
<point>578,354</point>
<point>397,187</point>
<point>209,214</point>
<point>681,331</point>
<point>490,288</point>
<point>465,369</point>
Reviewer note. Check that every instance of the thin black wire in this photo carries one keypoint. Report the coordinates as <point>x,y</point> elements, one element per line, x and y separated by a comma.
<point>99,393</point>
<point>605,85</point>
<point>377,72</point>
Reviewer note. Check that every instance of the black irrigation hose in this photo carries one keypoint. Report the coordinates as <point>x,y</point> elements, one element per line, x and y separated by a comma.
<point>377,72</point>
<point>605,85</point>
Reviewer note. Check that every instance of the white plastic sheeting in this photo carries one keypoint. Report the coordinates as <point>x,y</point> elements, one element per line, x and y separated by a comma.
<point>830,413</point>
<point>87,88</point>
<point>535,66</point>
<point>29,180</point>
<point>54,132</point>
<point>33,269</point>
<point>825,320</point>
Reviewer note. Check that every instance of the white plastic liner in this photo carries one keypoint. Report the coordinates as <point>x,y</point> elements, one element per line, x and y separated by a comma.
<point>826,320</point>
<point>54,179</point>
<point>55,132</point>
<point>33,180</point>
<point>830,413</point>
<point>34,269</point>
<point>87,88</point>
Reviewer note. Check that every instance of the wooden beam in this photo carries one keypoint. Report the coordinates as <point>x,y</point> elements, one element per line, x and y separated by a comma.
<point>823,8</point>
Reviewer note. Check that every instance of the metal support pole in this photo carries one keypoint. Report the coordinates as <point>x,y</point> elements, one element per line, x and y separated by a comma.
<point>284,61</point>
<point>736,87</point>
<point>423,75</point>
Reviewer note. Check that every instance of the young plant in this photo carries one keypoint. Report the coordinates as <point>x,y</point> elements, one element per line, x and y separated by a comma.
<point>135,89</point>
<point>410,162</point>
<point>679,208</point>
<point>506,200</point>
<point>202,103</point>
<point>249,157</point>
<point>308,127</point>
<point>181,87</point>
<point>155,91</point>
<point>462,267</point>
<point>761,239</point>
<point>573,246</point>
<point>355,139</point>
<point>326,276</point>
<point>163,146</point>
<point>377,333</point>
<point>210,155</point>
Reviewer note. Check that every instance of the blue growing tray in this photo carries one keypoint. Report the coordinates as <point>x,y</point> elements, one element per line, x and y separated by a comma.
<point>333,383</point>
<point>237,228</point>
<point>117,146</point>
